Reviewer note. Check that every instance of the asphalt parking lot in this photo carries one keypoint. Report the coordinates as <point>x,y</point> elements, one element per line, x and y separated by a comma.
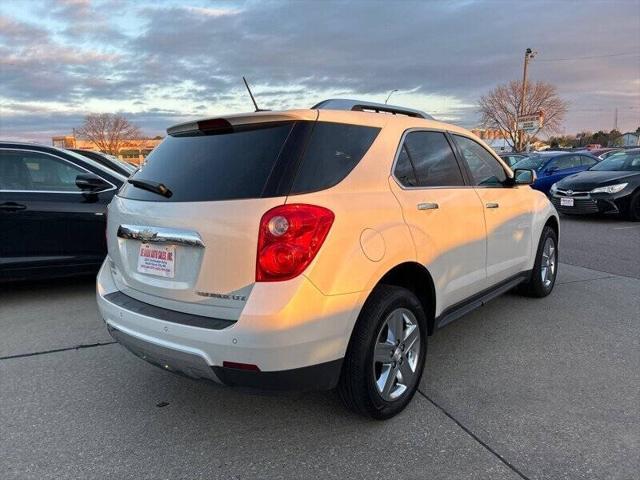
<point>521,388</point>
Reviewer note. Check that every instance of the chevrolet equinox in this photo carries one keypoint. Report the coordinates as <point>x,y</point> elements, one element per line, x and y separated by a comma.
<point>318,248</point>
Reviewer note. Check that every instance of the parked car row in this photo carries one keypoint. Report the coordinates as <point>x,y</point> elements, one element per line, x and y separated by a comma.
<point>551,167</point>
<point>612,185</point>
<point>605,180</point>
<point>53,204</point>
<point>300,250</point>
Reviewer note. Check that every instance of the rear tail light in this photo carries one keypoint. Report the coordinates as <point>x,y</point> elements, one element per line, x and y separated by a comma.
<point>289,239</point>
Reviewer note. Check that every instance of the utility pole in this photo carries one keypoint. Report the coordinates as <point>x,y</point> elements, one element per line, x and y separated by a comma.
<point>528,55</point>
<point>615,119</point>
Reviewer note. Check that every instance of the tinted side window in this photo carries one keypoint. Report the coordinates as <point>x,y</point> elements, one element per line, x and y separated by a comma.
<point>433,160</point>
<point>333,151</point>
<point>485,169</point>
<point>567,161</point>
<point>36,172</point>
<point>404,171</point>
<point>587,161</point>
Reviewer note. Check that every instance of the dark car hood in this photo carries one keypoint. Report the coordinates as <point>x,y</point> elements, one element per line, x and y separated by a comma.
<point>590,179</point>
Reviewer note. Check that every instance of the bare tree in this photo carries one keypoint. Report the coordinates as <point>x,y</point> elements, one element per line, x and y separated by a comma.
<point>108,131</point>
<point>499,109</point>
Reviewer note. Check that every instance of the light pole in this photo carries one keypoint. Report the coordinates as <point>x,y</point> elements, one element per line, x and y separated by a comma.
<point>528,55</point>
<point>389,96</point>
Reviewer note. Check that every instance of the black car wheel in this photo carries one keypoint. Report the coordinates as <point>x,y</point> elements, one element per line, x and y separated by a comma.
<point>634,208</point>
<point>545,268</point>
<point>386,354</point>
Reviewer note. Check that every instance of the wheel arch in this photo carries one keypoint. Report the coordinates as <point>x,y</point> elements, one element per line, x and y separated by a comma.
<point>552,222</point>
<point>416,278</point>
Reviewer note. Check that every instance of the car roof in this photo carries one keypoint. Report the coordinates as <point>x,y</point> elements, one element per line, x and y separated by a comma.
<point>352,117</point>
<point>64,151</point>
<point>562,154</point>
<point>334,110</point>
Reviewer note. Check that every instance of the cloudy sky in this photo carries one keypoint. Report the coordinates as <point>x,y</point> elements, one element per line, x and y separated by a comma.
<point>165,61</point>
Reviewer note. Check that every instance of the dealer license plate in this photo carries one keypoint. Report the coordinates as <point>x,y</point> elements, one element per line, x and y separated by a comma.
<point>159,260</point>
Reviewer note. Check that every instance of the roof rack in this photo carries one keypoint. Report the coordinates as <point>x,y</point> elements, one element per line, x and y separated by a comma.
<point>360,106</point>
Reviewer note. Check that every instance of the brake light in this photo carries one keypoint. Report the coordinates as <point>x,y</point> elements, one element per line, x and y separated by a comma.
<point>289,239</point>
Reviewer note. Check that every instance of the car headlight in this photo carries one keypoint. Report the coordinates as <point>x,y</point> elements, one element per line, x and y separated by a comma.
<point>610,188</point>
<point>554,188</point>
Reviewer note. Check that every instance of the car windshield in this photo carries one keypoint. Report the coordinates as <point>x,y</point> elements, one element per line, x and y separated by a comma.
<point>532,162</point>
<point>620,162</point>
<point>124,165</point>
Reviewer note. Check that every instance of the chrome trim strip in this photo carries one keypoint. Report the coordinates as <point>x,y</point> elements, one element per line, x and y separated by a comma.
<point>160,235</point>
<point>574,194</point>
<point>80,192</point>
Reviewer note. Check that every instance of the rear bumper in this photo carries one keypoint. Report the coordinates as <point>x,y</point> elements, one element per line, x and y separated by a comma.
<point>316,377</point>
<point>297,343</point>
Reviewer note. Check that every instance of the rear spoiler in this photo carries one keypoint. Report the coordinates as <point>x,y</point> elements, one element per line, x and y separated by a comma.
<point>228,123</point>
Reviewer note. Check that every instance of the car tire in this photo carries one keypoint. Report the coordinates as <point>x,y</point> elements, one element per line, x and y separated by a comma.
<point>634,208</point>
<point>392,323</point>
<point>545,268</point>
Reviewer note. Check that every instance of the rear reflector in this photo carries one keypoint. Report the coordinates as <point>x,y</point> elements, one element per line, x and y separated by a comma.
<point>241,366</point>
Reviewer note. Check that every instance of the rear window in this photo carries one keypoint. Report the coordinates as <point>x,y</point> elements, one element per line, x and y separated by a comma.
<point>260,160</point>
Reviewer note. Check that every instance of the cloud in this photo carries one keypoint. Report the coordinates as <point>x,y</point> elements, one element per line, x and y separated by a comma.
<point>212,12</point>
<point>189,59</point>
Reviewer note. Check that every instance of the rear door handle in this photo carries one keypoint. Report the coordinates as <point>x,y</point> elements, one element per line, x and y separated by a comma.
<point>12,206</point>
<point>492,205</point>
<point>427,206</point>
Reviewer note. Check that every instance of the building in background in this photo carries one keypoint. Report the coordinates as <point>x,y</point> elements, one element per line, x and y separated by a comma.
<point>497,140</point>
<point>135,150</point>
<point>494,138</point>
<point>629,139</point>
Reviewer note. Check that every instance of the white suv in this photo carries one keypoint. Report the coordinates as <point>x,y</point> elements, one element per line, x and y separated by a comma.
<point>313,249</point>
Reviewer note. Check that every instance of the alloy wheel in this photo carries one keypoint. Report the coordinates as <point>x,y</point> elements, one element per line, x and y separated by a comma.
<point>548,263</point>
<point>396,354</point>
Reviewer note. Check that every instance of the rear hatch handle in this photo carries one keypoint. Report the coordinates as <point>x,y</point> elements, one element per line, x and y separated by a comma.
<point>160,235</point>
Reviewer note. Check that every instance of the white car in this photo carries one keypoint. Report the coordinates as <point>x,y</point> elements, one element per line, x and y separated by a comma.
<point>314,249</point>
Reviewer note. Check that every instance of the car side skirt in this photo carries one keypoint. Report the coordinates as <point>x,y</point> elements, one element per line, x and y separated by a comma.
<point>462,308</point>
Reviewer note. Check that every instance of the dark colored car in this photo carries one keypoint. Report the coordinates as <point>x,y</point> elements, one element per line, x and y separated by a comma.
<point>612,185</point>
<point>603,153</point>
<point>552,167</point>
<point>114,163</point>
<point>52,211</point>
<point>512,158</point>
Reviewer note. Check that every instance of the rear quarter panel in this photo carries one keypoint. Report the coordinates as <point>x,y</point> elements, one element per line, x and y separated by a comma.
<point>369,235</point>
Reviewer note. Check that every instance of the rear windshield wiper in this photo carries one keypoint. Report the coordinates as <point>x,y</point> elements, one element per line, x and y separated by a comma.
<point>155,187</point>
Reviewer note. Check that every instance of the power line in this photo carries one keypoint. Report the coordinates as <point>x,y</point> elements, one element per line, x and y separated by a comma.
<point>602,109</point>
<point>570,59</point>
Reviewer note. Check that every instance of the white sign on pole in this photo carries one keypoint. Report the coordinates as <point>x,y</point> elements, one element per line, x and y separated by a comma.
<point>530,123</point>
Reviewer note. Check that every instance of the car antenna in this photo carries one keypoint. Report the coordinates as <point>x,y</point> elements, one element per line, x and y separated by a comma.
<point>251,95</point>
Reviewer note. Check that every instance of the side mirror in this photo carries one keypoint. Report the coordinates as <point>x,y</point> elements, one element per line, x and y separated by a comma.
<point>524,176</point>
<point>91,183</point>
<point>552,170</point>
